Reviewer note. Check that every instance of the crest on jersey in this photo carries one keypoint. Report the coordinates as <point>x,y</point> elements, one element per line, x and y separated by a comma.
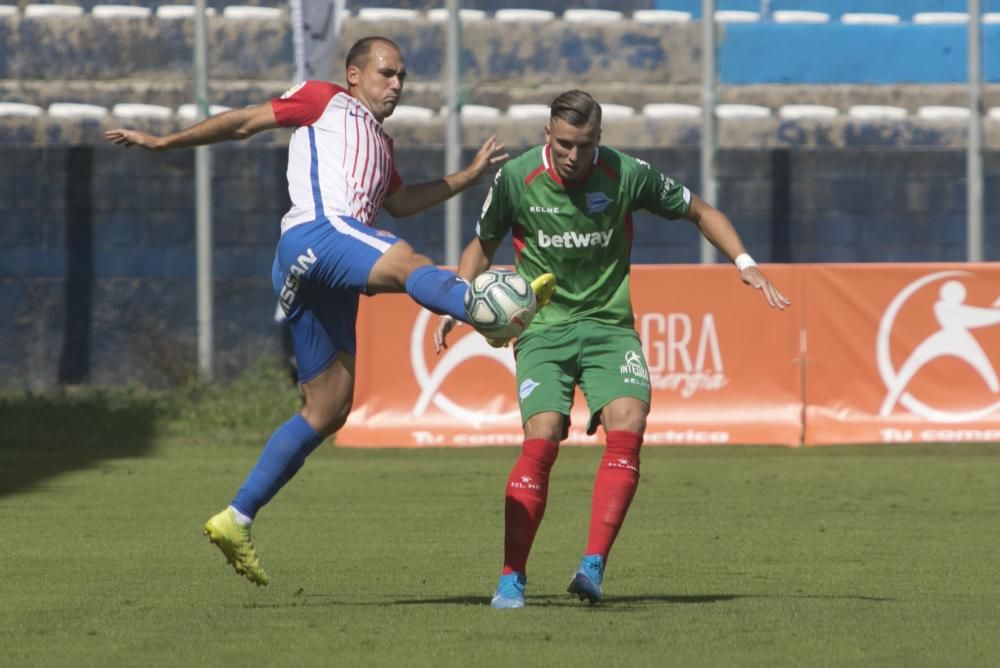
<point>597,202</point>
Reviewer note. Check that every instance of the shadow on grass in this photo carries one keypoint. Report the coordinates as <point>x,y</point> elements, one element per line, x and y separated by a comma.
<point>610,601</point>
<point>609,604</point>
<point>46,435</point>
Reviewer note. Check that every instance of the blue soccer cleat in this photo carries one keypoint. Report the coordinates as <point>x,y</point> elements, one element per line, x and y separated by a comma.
<point>587,581</point>
<point>510,591</point>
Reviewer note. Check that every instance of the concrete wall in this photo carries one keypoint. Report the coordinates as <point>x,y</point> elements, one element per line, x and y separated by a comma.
<point>97,243</point>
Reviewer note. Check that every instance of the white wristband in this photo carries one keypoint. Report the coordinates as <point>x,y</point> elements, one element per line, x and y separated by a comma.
<point>743,260</point>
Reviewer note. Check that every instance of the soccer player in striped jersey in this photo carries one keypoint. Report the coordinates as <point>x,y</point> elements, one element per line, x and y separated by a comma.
<point>568,206</point>
<point>340,175</point>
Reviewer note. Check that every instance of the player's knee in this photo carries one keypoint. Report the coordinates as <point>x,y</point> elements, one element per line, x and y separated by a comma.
<point>326,418</point>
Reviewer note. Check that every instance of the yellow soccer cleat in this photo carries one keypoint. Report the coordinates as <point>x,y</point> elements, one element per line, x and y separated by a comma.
<point>544,287</point>
<point>237,545</point>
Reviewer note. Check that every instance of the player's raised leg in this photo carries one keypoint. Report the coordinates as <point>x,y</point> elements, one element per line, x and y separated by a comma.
<point>402,269</point>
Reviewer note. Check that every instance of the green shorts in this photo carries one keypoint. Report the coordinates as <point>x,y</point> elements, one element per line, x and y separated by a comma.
<point>606,361</point>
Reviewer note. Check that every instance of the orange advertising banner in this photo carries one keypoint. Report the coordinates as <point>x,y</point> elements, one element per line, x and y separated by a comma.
<point>902,353</point>
<point>724,368</point>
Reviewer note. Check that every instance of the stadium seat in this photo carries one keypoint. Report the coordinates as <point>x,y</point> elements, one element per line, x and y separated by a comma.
<point>805,111</point>
<point>524,15</point>
<point>120,12</point>
<point>868,18</point>
<point>19,109</point>
<point>874,112</point>
<point>410,113</point>
<point>796,16</point>
<point>939,18</point>
<point>189,112</point>
<point>671,110</point>
<point>742,111</point>
<point>736,16</point>
<point>616,111</point>
<point>660,16</point>
<point>36,11</point>
<point>991,17</point>
<point>528,111</point>
<point>601,16</point>
<point>942,113</point>
<point>441,15</point>
<point>141,111</point>
<point>252,13</point>
<point>479,112</point>
<point>8,10</point>
<point>993,115</point>
<point>170,12</point>
<point>386,14</point>
<point>76,110</point>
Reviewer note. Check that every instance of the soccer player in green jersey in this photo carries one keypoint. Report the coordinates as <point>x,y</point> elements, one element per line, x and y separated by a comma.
<point>568,205</point>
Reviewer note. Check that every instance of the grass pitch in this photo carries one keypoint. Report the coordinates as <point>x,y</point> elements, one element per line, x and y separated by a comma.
<point>738,556</point>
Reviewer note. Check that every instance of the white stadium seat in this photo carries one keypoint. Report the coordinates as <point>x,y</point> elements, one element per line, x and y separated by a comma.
<point>169,12</point>
<point>52,11</point>
<point>479,112</point>
<point>528,111</point>
<point>736,16</point>
<point>671,110</point>
<point>132,110</point>
<point>991,17</point>
<point>938,18</point>
<point>189,112</point>
<point>524,15</point>
<point>386,14</point>
<point>76,110</point>
<point>613,111</point>
<point>19,109</point>
<point>743,111</point>
<point>869,18</point>
<point>8,10</point>
<point>251,13</point>
<point>592,15</point>
<point>120,12</point>
<point>876,112</point>
<point>805,111</point>
<point>942,113</point>
<point>993,114</point>
<point>660,16</point>
<point>440,15</point>
<point>406,112</point>
<point>795,16</point>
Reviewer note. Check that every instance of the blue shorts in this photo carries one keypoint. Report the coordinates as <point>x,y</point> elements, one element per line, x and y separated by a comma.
<point>320,270</point>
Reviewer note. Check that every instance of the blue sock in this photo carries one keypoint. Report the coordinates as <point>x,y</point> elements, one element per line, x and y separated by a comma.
<point>282,457</point>
<point>438,290</point>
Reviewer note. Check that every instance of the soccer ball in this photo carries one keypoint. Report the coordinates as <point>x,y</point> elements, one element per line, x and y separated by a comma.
<point>500,304</point>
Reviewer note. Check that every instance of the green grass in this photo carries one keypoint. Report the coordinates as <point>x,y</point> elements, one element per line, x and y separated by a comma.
<point>738,556</point>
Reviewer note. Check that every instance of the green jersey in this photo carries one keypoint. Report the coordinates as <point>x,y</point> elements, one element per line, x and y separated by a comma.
<point>581,231</point>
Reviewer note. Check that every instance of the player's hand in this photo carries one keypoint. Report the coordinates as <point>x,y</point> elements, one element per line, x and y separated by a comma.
<point>446,323</point>
<point>489,156</point>
<point>753,277</point>
<point>127,138</point>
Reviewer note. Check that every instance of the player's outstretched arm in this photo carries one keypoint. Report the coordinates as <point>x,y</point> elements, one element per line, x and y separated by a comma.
<point>411,199</point>
<point>233,124</point>
<point>476,258</point>
<point>718,229</point>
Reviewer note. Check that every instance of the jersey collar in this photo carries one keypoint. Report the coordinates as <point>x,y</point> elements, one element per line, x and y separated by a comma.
<point>551,170</point>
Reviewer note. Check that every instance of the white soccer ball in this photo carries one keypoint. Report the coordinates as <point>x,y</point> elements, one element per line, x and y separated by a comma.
<point>500,304</point>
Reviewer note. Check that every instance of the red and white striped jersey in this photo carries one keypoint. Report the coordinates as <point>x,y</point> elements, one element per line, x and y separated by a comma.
<point>340,160</point>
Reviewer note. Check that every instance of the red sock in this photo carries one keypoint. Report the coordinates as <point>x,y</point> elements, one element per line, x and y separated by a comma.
<point>524,503</point>
<point>614,486</point>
